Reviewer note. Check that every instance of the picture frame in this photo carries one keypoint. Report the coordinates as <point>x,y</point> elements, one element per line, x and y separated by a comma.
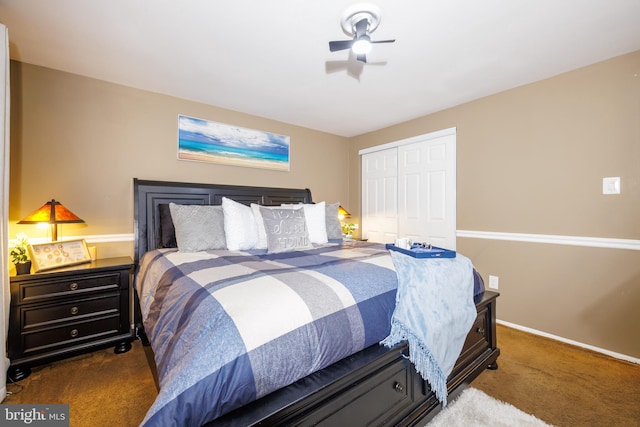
<point>207,141</point>
<point>62,253</point>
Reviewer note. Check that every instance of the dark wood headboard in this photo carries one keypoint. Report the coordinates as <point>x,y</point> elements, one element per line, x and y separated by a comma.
<point>148,195</point>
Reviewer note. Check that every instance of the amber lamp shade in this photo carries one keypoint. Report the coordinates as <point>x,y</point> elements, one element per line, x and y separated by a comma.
<point>52,213</point>
<point>343,213</point>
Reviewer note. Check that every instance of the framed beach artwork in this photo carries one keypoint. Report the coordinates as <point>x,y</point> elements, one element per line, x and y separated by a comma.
<point>207,141</point>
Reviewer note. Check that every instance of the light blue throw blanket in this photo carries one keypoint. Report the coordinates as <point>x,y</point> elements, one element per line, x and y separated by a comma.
<point>434,312</point>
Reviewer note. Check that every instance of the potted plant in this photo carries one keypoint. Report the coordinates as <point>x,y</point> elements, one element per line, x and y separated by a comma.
<point>348,229</point>
<point>19,254</point>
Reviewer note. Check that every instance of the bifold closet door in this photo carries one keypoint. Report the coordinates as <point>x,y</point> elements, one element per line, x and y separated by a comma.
<point>380,196</point>
<point>427,191</point>
<point>409,190</point>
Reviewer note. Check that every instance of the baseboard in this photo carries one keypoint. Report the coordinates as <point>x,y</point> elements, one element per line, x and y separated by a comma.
<point>568,341</point>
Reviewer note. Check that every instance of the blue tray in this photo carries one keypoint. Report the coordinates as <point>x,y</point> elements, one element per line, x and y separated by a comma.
<point>434,252</point>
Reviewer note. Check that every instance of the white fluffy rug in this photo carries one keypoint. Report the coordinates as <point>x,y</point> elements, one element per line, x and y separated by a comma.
<point>477,409</point>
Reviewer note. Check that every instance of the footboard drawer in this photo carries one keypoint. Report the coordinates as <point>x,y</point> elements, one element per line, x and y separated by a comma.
<point>480,338</point>
<point>387,391</point>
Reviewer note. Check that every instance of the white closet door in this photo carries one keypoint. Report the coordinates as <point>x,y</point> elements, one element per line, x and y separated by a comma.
<point>427,191</point>
<point>380,196</point>
<point>409,190</point>
<point>413,201</point>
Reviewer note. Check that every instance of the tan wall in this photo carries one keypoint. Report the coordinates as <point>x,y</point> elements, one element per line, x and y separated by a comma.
<point>531,160</point>
<point>82,141</point>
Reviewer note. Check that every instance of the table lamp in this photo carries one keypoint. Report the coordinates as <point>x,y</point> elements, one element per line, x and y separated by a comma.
<point>52,213</point>
<point>343,213</point>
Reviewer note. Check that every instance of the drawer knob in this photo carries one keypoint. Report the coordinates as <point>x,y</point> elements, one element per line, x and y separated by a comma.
<point>73,286</point>
<point>398,387</point>
<point>480,331</point>
<point>74,333</point>
<point>74,310</point>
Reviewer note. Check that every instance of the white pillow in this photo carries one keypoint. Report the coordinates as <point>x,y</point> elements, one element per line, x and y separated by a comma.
<point>315,217</point>
<point>239,225</point>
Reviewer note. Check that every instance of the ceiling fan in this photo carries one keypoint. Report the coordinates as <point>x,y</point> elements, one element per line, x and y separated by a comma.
<point>359,21</point>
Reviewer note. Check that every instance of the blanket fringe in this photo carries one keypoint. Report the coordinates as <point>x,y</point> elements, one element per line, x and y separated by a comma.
<point>421,357</point>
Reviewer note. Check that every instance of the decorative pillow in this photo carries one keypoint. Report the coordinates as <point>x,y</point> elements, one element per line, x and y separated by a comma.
<point>286,229</point>
<point>239,225</point>
<point>334,230</point>
<point>198,227</point>
<point>262,235</point>
<point>167,238</point>
<point>316,224</point>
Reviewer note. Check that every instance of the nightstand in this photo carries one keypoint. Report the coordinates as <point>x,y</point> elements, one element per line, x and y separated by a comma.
<point>69,311</point>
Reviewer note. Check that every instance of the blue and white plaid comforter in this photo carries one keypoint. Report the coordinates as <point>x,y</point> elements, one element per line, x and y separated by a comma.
<point>230,327</point>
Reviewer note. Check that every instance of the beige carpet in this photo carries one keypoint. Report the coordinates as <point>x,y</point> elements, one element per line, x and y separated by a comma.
<point>562,384</point>
<point>558,383</point>
<point>101,388</point>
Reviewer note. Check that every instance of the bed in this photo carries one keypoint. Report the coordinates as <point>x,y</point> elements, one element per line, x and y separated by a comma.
<point>353,381</point>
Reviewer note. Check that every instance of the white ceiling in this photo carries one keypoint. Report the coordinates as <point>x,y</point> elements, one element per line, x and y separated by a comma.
<point>271,58</point>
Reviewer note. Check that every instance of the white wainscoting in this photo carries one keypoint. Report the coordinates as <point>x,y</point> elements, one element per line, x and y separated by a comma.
<point>96,238</point>
<point>596,242</point>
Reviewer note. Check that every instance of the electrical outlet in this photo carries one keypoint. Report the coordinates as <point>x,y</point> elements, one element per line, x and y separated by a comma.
<point>493,282</point>
<point>611,185</point>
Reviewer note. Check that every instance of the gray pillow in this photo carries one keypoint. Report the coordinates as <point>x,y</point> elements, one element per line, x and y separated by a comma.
<point>286,230</point>
<point>198,227</point>
<point>167,238</point>
<point>334,230</point>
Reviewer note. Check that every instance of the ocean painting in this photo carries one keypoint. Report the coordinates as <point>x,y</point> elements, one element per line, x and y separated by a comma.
<point>206,141</point>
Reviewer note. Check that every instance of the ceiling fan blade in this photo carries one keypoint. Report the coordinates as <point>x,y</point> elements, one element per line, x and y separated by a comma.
<point>340,45</point>
<point>383,41</point>
<point>362,58</point>
<point>361,28</point>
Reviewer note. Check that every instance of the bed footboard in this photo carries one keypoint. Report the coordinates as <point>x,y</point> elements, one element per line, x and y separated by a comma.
<point>376,386</point>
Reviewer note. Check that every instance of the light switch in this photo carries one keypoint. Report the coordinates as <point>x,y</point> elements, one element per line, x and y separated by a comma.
<point>611,185</point>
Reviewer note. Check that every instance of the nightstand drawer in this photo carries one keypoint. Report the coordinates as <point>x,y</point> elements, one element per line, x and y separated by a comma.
<point>42,316</point>
<point>70,334</point>
<point>68,286</point>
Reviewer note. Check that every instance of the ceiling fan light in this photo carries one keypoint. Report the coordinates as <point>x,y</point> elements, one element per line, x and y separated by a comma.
<point>361,47</point>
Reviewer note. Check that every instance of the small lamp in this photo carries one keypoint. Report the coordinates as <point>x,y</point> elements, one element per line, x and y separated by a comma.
<point>343,213</point>
<point>347,228</point>
<point>52,213</point>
